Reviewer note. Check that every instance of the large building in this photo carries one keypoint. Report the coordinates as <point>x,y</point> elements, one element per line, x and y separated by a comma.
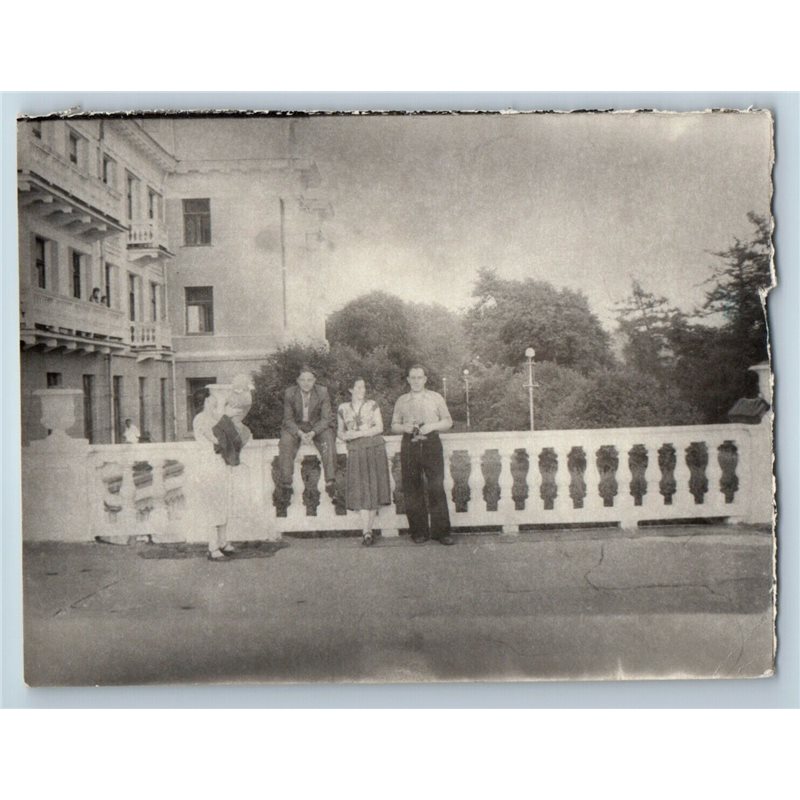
<point>154,261</point>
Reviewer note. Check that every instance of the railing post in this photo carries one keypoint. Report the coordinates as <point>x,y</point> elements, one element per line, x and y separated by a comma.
<point>563,502</point>
<point>683,497</point>
<point>506,507</point>
<point>388,518</point>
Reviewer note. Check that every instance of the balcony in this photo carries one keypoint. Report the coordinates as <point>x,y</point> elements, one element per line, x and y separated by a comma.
<point>150,340</point>
<point>511,482</point>
<point>147,240</point>
<point>55,321</point>
<point>52,187</point>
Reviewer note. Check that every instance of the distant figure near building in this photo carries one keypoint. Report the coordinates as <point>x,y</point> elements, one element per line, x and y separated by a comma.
<point>420,415</point>
<point>307,419</point>
<point>131,434</point>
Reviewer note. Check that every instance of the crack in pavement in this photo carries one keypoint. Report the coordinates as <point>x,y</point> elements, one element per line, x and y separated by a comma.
<point>74,604</point>
<point>592,569</point>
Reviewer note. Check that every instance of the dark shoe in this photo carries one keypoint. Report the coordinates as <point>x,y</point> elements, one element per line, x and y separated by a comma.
<point>419,539</point>
<point>446,539</point>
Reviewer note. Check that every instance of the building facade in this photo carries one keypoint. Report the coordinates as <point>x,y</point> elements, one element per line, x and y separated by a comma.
<point>145,276</point>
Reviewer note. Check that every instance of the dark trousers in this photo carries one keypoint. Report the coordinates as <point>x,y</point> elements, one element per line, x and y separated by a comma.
<point>418,460</point>
<point>288,446</point>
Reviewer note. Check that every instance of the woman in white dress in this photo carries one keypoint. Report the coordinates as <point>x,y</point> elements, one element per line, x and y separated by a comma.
<point>213,495</point>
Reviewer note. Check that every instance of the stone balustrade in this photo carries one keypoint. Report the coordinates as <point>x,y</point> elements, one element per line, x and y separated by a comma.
<point>506,481</point>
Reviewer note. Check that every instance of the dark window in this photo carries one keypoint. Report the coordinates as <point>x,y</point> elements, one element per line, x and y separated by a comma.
<point>163,409</point>
<point>131,296</point>
<point>108,276</point>
<point>199,309</point>
<point>73,147</point>
<point>152,205</point>
<point>143,405</point>
<point>53,380</point>
<point>76,274</point>
<point>88,407</point>
<point>108,170</point>
<point>40,255</point>
<point>195,388</point>
<point>116,397</point>
<point>196,222</point>
<point>130,194</point>
<point>154,301</point>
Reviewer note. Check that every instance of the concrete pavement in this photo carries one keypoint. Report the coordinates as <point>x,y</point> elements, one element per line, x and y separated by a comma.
<point>589,604</point>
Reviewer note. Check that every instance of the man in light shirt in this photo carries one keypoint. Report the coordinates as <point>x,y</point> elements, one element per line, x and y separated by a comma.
<point>420,415</point>
<point>131,433</point>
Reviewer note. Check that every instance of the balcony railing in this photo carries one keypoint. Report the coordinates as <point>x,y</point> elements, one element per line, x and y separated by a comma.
<point>149,238</point>
<point>151,335</point>
<point>46,311</point>
<point>36,157</point>
<point>509,481</point>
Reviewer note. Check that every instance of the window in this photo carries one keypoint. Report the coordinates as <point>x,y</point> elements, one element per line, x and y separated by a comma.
<point>199,309</point>
<point>195,397</point>
<point>131,193</point>
<point>109,169</point>
<point>77,259</point>
<point>131,296</point>
<point>88,408</point>
<point>154,301</point>
<point>109,286</point>
<point>163,409</point>
<point>153,205</point>
<point>142,406</point>
<point>40,261</point>
<point>73,148</point>
<point>196,222</point>
<point>53,380</point>
<point>116,404</point>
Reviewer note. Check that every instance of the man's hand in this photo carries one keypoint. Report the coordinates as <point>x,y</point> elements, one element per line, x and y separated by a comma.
<point>426,428</point>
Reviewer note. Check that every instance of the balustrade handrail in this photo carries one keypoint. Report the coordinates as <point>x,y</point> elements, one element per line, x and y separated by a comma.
<point>80,304</point>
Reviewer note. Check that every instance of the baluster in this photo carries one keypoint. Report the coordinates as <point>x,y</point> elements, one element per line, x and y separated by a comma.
<point>297,510</point>
<point>505,506</point>
<point>477,505</point>
<point>652,499</point>
<point>683,498</point>
<point>563,502</point>
<point>625,503</point>
<point>449,481</point>
<point>534,504</point>
<point>157,521</point>
<point>593,508</point>
<point>264,503</point>
<point>388,520</point>
<point>127,498</point>
<point>714,499</point>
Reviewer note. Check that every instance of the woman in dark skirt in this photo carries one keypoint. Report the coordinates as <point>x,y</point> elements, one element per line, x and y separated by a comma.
<point>360,425</point>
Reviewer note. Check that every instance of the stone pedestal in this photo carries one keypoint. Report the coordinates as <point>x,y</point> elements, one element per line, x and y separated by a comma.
<point>55,503</point>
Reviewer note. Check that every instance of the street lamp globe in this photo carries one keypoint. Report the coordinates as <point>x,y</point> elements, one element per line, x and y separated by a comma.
<point>466,373</point>
<point>530,353</point>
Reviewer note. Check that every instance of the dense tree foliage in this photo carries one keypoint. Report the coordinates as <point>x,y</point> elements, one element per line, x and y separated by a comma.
<point>509,316</point>
<point>678,368</point>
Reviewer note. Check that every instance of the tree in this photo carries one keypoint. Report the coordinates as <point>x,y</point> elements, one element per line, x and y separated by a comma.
<point>648,323</point>
<point>624,397</point>
<point>373,320</point>
<point>739,288</point>
<point>508,316</point>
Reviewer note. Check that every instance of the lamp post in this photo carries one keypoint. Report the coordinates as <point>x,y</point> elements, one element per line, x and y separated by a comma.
<point>466,390</point>
<point>529,354</point>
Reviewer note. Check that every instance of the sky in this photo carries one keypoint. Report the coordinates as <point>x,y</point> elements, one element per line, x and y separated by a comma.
<point>586,201</point>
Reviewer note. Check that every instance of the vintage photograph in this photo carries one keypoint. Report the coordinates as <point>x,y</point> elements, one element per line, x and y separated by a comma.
<point>396,397</point>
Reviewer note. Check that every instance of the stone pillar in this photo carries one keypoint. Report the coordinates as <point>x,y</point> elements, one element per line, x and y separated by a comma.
<point>761,468</point>
<point>55,491</point>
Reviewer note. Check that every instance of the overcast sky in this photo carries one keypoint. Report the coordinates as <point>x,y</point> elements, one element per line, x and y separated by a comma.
<point>581,200</point>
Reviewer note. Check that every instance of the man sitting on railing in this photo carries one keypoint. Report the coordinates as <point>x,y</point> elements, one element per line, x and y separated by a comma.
<point>307,419</point>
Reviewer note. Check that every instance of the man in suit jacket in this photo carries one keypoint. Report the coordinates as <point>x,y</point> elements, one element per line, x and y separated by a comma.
<point>307,418</point>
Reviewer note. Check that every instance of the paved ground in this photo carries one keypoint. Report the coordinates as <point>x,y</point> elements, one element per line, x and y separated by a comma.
<point>595,604</point>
